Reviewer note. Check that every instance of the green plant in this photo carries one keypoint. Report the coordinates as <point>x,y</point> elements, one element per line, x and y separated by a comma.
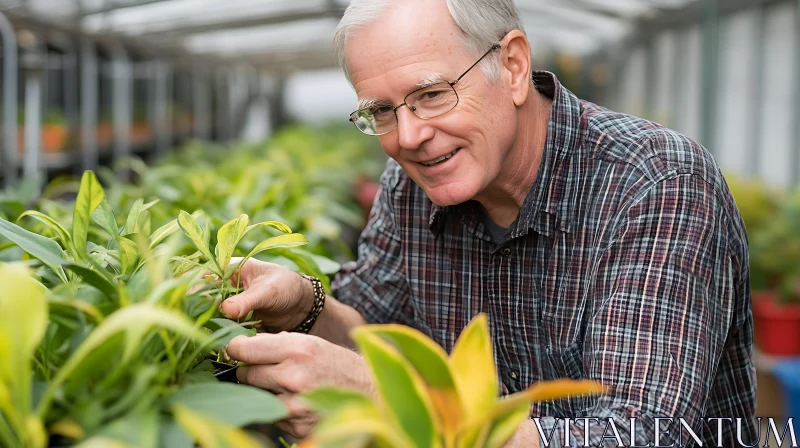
<point>775,249</point>
<point>228,238</point>
<point>425,398</point>
<point>123,353</point>
<point>756,202</point>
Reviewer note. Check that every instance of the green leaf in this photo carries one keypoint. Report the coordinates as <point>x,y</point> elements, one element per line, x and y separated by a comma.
<point>23,320</point>
<point>228,237</point>
<point>133,216</point>
<point>128,254</point>
<point>59,230</point>
<point>90,196</point>
<point>329,400</point>
<point>173,436</point>
<point>133,321</point>
<point>197,235</point>
<point>231,404</point>
<point>44,249</point>
<point>209,433</point>
<point>400,388</point>
<point>224,330</point>
<point>305,263</point>
<point>274,224</point>
<point>282,241</point>
<point>94,278</point>
<point>325,264</point>
<point>140,429</point>
<point>104,217</point>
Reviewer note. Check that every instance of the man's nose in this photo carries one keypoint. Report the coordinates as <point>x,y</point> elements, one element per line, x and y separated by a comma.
<point>412,130</point>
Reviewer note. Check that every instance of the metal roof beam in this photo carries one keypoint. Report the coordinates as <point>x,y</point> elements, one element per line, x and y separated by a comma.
<point>249,22</point>
<point>120,5</point>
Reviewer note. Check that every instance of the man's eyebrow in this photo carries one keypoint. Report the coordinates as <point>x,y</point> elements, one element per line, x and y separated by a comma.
<point>433,78</point>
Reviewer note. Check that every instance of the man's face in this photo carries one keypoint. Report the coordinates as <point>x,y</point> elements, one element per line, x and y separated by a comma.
<point>416,41</point>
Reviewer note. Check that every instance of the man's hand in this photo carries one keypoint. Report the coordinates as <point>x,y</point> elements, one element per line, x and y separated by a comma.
<point>288,364</point>
<point>278,297</point>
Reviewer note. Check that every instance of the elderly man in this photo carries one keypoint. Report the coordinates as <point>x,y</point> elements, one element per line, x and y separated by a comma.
<point>600,245</point>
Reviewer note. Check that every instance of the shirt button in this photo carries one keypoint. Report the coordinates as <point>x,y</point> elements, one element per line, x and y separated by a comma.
<point>513,375</point>
<point>506,251</point>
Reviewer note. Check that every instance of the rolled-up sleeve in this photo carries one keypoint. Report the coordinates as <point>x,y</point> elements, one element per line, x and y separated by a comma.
<point>375,284</point>
<point>669,307</point>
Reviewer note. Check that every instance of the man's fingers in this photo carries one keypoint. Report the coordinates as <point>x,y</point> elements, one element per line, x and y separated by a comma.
<point>261,377</point>
<point>264,348</point>
<point>239,305</point>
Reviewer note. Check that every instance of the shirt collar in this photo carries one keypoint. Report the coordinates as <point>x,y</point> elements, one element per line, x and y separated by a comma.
<point>547,206</point>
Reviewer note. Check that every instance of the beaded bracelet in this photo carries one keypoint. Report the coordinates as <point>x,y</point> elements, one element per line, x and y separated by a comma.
<point>316,309</point>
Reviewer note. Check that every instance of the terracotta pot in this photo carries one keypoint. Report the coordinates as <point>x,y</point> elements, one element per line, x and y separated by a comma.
<point>52,138</point>
<point>140,133</point>
<point>776,325</point>
<point>105,133</point>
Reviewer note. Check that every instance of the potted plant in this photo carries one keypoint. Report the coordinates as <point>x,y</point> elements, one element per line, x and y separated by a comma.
<point>53,135</point>
<point>775,272</point>
<point>140,132</point>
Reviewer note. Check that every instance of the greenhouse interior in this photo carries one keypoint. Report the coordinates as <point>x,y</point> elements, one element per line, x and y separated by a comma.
<point>161,158</point>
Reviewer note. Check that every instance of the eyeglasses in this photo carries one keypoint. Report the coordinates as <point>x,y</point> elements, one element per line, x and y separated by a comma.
<point>427,102</point>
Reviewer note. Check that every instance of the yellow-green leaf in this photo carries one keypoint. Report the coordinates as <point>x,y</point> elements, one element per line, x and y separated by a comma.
<point>228,237</point>
<point>59,230</point>
<point>209,433</point>
<point>430,361</point>
<point>328,400</point>
<point>23,321</point>
<point>166,230</point>
<point>134,321</point>
<point>472,364</point>
<point>358,425</point>
<point>277,242</point>
<point>401,389</point>
<point>128,254</point>
<point>196,233</point>
<point>68,428</point>
<point>89,197</point>
<point>274,224</point>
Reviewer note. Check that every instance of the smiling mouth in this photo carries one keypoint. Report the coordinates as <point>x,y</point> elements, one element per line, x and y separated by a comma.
<point>441,159</point>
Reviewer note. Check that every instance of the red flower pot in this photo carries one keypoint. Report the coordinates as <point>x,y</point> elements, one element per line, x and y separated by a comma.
<point>366,191</point>
<point>777,326</point>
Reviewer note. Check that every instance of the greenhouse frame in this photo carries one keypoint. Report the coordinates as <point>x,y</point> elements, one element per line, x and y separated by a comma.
<point>184,68</point>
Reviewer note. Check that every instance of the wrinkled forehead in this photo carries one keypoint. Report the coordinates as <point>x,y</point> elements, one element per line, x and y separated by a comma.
<point>404,49</point>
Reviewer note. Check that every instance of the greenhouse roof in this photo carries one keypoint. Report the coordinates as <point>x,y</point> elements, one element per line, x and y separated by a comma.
<point>297,33</point>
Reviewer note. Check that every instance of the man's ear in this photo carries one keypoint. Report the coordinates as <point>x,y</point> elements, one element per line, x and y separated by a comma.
<point>516,60</point>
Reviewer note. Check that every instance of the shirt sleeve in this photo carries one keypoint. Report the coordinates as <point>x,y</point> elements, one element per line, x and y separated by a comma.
<point>375,284</point>
<point>667,303</point>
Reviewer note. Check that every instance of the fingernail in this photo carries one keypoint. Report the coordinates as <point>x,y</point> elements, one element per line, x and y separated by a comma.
<point>231,305</point>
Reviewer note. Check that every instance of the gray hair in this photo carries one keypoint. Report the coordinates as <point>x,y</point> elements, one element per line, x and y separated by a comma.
<point>483,22</point>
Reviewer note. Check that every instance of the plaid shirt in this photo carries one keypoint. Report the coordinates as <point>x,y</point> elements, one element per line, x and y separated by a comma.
<point>627,265</point>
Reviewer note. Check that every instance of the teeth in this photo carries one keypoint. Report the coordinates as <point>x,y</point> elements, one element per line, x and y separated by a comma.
<point>440,159</point>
